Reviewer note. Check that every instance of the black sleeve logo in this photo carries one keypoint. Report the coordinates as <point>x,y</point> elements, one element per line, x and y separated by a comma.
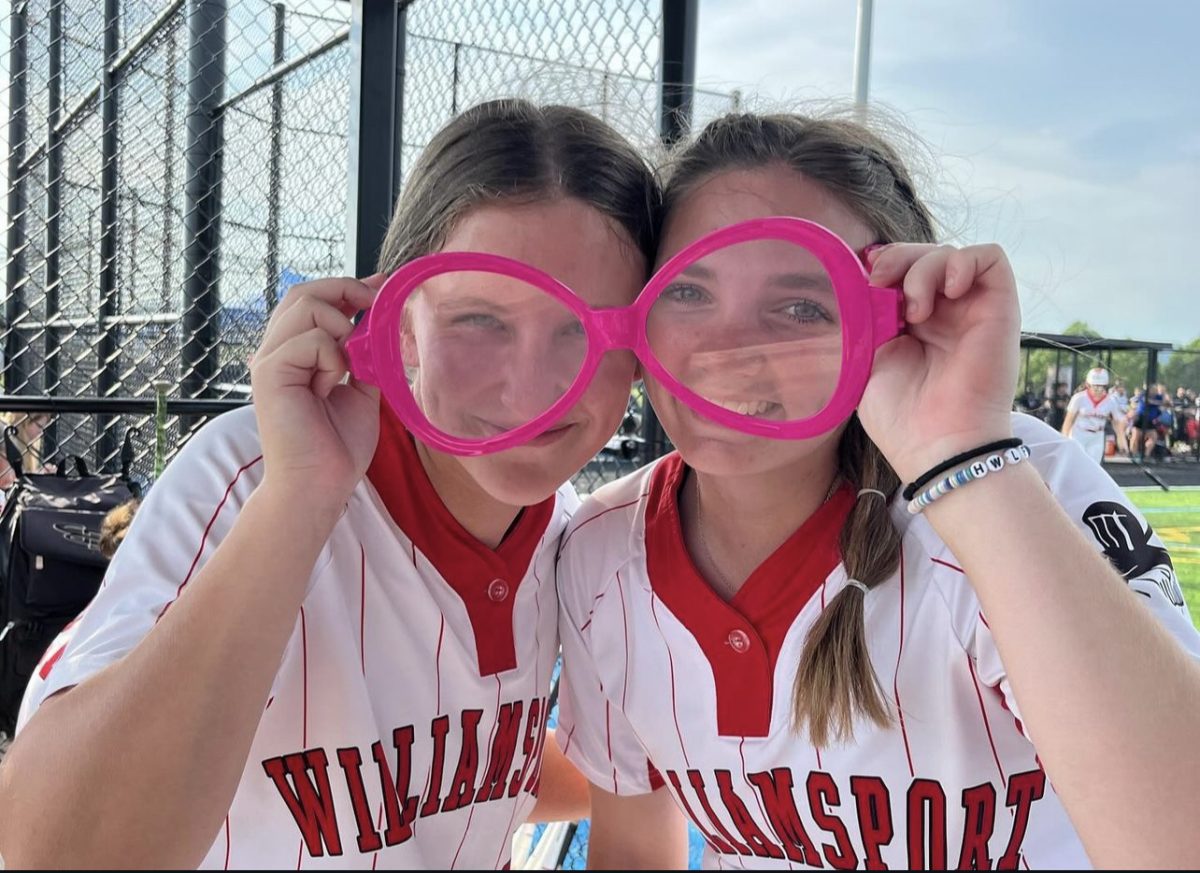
<point>1127,546</point>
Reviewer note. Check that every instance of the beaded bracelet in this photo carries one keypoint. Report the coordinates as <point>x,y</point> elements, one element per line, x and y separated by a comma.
<point>910,490</point>
<point>970,473</point>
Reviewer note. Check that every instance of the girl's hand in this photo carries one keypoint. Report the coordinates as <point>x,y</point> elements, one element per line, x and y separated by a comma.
<point>318,434</point>
<point>946,385</point>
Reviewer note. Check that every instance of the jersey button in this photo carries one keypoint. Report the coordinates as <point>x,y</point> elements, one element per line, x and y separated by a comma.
<point>739,641</point>
<point>498,590</point>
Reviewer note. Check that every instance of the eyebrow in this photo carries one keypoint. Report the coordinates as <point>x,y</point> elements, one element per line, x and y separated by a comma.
<point>791,281</point>
<point>802,281</point>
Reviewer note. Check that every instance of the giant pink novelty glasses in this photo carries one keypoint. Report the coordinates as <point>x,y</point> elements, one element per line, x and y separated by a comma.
<point>768,327</point>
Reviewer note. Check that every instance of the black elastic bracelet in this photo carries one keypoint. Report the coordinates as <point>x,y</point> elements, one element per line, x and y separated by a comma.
<point>911,489</point>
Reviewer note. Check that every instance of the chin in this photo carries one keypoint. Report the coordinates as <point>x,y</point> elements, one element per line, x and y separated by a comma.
<point>736,458</point>
<point>719,451</point>
<point>517,483</point>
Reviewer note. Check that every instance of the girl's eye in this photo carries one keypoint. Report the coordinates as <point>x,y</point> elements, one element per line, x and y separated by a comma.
<point>807,312</point>
<point>682,293</point>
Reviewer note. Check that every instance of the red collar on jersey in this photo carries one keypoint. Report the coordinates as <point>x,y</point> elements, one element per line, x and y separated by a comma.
<point>486,580</point>
<point>741,638</point>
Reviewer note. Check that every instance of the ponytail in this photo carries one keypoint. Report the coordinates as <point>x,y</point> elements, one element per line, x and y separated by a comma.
<point>835,681</point>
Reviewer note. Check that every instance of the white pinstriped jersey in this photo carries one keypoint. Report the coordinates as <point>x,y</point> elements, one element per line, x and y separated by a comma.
<point>1091,416</point>
<point>406,724</point>
<point>665,682</point>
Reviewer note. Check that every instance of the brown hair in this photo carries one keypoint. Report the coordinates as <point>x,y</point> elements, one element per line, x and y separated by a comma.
<point>835,680</point>
<point>512,149</point>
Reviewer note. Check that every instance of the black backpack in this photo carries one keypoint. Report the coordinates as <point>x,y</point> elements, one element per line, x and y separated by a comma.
<point>50,562</point>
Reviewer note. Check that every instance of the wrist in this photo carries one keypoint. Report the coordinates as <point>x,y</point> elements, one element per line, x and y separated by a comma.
<point>913,464</point>
<point>307,511</point>
<point>1009,489</point>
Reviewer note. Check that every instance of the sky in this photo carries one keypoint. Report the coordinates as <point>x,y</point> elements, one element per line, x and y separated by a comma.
<point>1066,131</point>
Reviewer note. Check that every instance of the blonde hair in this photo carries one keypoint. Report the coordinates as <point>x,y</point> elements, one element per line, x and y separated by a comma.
<point>30,448</point>
<point>835,681</point>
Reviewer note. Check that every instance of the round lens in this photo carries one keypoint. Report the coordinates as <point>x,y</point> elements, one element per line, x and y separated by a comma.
<point>753,328</point>
<point>485,353</point>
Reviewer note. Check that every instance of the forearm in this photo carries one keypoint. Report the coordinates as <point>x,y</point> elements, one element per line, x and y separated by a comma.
<point>138,765</point>
<point>562,789</point>
<point>1091,668</point>
<point>639,832</point>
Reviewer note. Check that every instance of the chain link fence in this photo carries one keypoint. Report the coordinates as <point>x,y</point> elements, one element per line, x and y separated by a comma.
<point>174,168</point>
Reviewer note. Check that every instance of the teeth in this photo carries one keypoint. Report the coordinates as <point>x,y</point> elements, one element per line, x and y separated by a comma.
<point>741,407</point>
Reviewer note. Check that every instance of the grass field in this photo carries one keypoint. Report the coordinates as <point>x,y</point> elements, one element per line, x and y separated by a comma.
<point>1175,517</point>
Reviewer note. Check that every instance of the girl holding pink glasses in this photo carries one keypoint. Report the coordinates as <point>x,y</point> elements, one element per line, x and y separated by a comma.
<point>864,616</point>
<point>325,642</point>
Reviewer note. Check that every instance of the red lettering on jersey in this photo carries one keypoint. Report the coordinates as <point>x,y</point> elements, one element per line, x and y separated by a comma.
<point>438,730</point>
<point>527,747</point>
<point>874,807</point>
<point>743,821</point>
<point>399,808</point>
<point>462,787</point>
<point>533,781</point>
<point>697,782</point>
<point>310,805</point>
<point>1023,790</point>
<point>504,749</point>
<point>979,804</point>
<point>775,788</point>
<point>713,840</point>
<point>926,829</point>
<point>822,788</point>
<point>351,760</point>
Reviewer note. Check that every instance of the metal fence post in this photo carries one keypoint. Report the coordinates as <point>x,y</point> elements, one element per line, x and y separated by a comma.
<point>678,85</point>
<point>275,184</point>
<point>199,360</point>
<point>54,180</point>
<point>16,307</point>
<point>108,349</point>
<point>377,39</point>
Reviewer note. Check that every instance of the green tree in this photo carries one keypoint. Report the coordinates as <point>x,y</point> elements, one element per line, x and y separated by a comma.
<point>1182,368</point>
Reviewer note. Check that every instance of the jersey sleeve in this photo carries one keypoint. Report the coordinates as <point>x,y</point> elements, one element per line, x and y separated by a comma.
<point>186,514</point>
<point>1075,404</point>
<point>1114,527</point>
<point>593,732</point>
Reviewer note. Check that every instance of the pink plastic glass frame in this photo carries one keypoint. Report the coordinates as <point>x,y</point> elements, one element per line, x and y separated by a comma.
<point>870,316</point>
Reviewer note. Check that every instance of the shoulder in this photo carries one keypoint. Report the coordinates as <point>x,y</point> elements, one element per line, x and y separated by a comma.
<point>611,510</point>
<point>605,533</point>
<point>230,437</point>
<point>223,456</point>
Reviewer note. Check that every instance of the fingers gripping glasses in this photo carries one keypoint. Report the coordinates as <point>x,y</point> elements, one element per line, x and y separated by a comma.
<point>768,327</point>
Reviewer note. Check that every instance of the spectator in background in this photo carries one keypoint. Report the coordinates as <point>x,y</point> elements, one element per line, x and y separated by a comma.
<point>1056,406</point>
<point>1184,410</point>
<point>1146,411</point>
<point>28,439</point>
<point>1119,396</point>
